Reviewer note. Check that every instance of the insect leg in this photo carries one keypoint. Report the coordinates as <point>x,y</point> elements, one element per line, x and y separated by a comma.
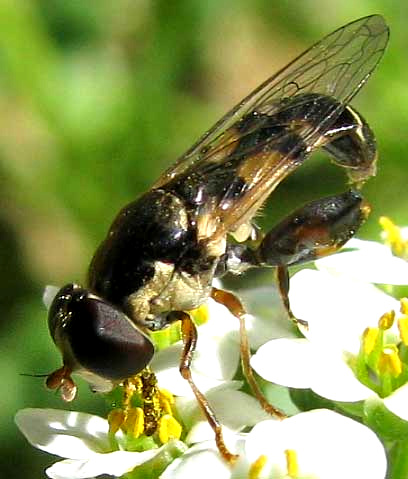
<point>317,229</point>
<point>189,336</point>
<point>236,308</point>
<point>282,279</point>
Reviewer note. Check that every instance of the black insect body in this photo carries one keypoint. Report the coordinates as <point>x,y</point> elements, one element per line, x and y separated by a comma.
<point>163,250</point>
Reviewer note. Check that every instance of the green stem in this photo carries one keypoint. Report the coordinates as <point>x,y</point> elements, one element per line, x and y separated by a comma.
<point>398,463</point>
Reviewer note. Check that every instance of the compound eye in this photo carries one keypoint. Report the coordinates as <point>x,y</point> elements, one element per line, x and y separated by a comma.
<point>104,340</point>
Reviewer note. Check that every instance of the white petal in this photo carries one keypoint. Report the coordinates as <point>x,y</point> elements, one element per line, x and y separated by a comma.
<point>203,461</point>
<point>397,403</point>
<point>337,309</point>
<point>327,445</point>
<point>234,409</point>
<point>68,434</point>
<point>221,321</point>
<point>166,366</point>
<point>200,462</point>
<point>115,464</point>
<point>267,318</point>
<point>289,362</point>
<point>299,363</point>
<point>216,358</point>
<point>187,406</point>
<point>334,379</point>
<point>371,262</point>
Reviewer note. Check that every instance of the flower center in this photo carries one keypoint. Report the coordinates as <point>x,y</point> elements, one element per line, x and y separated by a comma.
<point>292,466</point>
<point>164,338</point>
<point>382,362</point>
<point>145,413</point>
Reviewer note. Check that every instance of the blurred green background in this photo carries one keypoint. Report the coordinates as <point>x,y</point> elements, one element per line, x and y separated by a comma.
<point>98,97</point>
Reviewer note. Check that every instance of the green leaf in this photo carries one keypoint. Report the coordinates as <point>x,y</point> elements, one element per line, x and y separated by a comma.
<point>306,400</point>
<point>386,424</point>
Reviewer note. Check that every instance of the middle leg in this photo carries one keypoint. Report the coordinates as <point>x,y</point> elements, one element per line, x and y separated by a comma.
<point>189,337</point>
<point>234,305</point>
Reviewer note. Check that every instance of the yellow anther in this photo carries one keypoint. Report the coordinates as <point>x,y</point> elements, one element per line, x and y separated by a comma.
<point>292,463</point>
<point>134,423</point>
<point>256,467</point>
<point>388,225</point>
<point>166,394</point>
<point>403,329</point>
<point>369,340</point>
<point>393,236</point>
<point>116,418</point>
<point>389,361</point>
<point>169,428</point>
<point>166,401</point>
<point>200,315</point>
<point>404,306</point>
<point>387,320</point>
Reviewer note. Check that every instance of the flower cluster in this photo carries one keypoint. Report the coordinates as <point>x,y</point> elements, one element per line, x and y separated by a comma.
<point>355,344</point>
<point>346,370</point>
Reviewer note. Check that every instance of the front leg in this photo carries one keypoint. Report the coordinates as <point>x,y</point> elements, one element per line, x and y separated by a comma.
<point>189,337</point>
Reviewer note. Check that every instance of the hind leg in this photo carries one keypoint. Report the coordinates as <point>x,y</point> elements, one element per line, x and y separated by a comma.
<point>317,229</point>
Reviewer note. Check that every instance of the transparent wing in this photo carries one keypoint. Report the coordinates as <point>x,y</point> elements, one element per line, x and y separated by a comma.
<point>335,67</point>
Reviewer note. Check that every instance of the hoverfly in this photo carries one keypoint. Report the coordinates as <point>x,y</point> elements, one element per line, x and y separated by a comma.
<point>164,249</point>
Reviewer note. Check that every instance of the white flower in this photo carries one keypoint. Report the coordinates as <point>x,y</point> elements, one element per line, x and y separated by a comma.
<point>203,461</point>
<point>339,305</point>
<point>366,261</point>
<point>316,444</point>
<point>84,441</point>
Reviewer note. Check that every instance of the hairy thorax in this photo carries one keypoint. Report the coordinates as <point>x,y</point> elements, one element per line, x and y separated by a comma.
<point>169,290</point>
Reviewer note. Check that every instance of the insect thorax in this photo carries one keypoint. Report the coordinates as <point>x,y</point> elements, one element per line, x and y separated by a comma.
<point>151,260</point>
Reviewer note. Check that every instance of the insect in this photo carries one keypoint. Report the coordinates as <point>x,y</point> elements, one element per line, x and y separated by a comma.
<point>163,250</point>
